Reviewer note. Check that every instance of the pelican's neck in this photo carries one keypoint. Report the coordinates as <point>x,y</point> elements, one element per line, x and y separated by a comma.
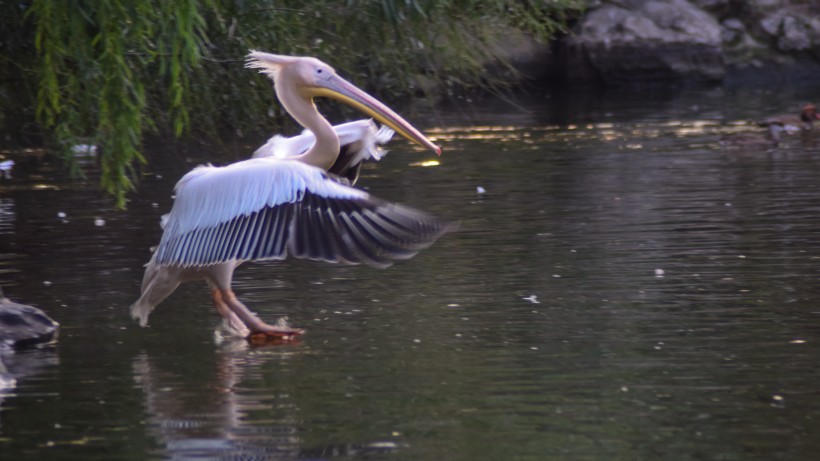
<point>326,149</point>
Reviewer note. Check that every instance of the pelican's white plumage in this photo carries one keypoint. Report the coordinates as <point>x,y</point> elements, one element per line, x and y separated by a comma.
<point>292,201</point>
<point>268,208</point>
<point>362,136</point>
<point>210,195</point>
<point>359,141</point>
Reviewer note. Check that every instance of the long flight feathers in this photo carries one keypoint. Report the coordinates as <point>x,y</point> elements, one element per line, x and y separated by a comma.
<point>209,195</point>
<point>275,208</point>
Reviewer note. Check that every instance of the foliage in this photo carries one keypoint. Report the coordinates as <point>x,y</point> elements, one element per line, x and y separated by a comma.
<point>109,72</point>
<point>96,59</point>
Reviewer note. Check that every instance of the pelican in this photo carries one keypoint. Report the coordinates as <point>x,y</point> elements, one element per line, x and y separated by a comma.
<point>270,207</point>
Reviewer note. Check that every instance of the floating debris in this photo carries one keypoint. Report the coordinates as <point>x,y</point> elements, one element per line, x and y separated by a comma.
<point>385,445</point>
<point>659,273</point>
<point>7,382</point>
<point>61,214</point>
<point>532,298</point>
<point>6,167</point>
<point>84,150</point>
<point>99,222</point>
<point>480,190</point>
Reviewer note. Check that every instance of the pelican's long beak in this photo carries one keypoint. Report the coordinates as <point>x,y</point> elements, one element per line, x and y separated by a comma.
<point>340,89</point>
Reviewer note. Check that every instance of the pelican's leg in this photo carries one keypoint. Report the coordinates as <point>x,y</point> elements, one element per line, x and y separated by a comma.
<point>219,278</point>
<point>232,320</point>
<point>254,324</point>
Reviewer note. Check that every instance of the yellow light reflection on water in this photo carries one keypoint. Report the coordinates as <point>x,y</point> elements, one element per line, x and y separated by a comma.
<point>605,131</point>
<point>426,163</point>
<point>481,132</point>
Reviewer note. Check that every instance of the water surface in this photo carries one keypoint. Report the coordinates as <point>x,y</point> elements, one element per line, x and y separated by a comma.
<point>621,287</point>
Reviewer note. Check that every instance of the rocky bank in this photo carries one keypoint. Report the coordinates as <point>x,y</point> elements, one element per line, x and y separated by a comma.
<point>620,42</point>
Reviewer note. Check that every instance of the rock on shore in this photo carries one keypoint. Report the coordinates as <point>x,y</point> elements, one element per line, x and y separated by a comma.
<point>643,41</point>
<point>654,39</point>
<point>22,325</point>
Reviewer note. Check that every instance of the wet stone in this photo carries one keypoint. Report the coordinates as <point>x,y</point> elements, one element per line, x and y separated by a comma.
<point>22,325</point>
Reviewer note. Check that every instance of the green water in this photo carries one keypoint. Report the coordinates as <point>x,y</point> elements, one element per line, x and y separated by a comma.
<point>622,288</point>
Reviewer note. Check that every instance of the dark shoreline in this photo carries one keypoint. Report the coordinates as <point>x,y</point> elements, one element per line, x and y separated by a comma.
<point>678,42</point>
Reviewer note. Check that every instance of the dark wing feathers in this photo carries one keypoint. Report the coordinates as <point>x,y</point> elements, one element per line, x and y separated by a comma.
<point>350,230</point>
<point>344,167</point>
<point>357,231</point>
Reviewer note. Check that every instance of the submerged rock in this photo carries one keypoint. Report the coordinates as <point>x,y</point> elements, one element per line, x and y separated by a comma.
<point>22,325</point>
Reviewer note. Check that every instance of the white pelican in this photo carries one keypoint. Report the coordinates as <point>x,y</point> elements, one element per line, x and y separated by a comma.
<point>268,208</point>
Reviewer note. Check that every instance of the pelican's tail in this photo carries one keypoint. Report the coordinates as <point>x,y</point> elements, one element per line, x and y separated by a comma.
<point>157,284</point>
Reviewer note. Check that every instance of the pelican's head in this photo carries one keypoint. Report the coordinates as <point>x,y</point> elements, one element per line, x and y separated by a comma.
<point>310,77</point>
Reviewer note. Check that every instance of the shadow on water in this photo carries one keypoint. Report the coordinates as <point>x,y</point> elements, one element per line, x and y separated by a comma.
<point>621,288</point>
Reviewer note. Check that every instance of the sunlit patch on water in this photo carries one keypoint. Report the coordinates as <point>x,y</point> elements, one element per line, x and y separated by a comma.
<point>623,136</point>
<point>426,163</point>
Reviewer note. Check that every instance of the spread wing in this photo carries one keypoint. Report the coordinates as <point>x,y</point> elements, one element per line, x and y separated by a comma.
<point>269,208</point>
<point>360,140</point>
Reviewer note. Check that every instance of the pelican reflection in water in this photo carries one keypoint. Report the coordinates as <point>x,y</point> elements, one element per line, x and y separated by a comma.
<point>293,203</point>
